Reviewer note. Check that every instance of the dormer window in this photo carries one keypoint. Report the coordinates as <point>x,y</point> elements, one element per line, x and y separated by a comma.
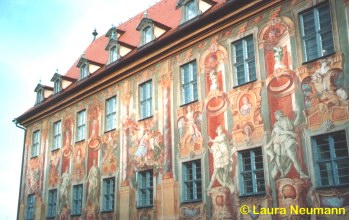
<point>150,29</point>
<point>147,35</point>
<point>39,96</point>
<point>114,54</point>
<point>190,10</point>
<point>83,71</point>
<point>57,87</point>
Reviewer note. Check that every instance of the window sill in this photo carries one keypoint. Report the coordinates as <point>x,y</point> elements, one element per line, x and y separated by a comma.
<point>332,186</point>
<point>145,207</point>
<point>107,211</point>
<point>319,58</point>
<point>79,141</point>
<point>55,149</point>
<point>105,132</point>
<point>234,87</point>
<point>191,201</point>
<point>143,119</point>
<point>252,194</point>
<point>33,157</point>
<point>189,103</point>
<point>50,217</point>
<point>75,215</point>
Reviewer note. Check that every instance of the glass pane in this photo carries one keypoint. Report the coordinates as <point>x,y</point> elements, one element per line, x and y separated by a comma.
<point>326,175</point>
<point>343,171</point>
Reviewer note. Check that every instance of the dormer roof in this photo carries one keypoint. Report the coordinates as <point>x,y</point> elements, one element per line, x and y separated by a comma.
<point>40,86</point>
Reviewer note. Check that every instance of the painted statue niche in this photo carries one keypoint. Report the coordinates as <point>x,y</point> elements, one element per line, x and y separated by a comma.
<point>79,168</point>
<point>94,190</point>
<point>189,126</point>
<point>34,175</point>
<point>147,144</point>
<point>54,164</point>
<point>248,124</point>
<point>65,194</point>
<point>67,138</point>
<point>325,96</point>
<point>94,141</point>
<point>109,153</point>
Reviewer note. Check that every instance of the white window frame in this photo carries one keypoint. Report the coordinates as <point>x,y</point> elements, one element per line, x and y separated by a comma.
<point>145,189</point>
<point>110,113</point>
<point>52,203</point>
<point>81,125</point>
<point>77,200</point>
<point>146,101</point>
<point>57,135</point>
<point>35,143</point>
<point>30,207</point>
<point>191,85</point>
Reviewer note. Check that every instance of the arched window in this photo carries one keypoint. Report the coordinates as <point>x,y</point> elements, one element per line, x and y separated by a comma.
<point>113,54</point>
<point>190,10</point>
<point>84,71</point>
<point>147,35</point>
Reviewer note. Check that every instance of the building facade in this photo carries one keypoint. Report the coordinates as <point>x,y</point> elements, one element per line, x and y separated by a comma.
<point>197,109</point>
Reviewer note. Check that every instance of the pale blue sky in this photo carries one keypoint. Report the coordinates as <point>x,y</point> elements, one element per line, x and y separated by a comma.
<point>36,37</point>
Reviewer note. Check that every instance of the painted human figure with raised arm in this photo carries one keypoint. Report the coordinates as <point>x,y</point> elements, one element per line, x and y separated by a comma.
<point>282,146</point>
<point>222,160</point>
<point>64,189</point>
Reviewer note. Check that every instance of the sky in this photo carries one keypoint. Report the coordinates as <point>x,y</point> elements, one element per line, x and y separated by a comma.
<point>36,38</point>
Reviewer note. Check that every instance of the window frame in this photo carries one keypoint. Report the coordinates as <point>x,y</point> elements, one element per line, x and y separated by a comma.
<point>57,136</point>
<point>146,189</point>
<point>84,72</point>
<point>114,54</point>
<point>147,101</point>
<point>30,207</point>
<point>317,33</point>
<point>192,83</point>
<point>39,95</point>
<point>52,203</point>
<point>147,34</point>
<point>253,171</point>
<point>195,10</point>
<point>108,199</point>
<point>197,182</point>
<point>77,199</point>
<point>57,86</point>
<point>80,126</point>
<point>35,143</point>
<point>332,160</point>
<point>109,114</point>
<point>246,59</point>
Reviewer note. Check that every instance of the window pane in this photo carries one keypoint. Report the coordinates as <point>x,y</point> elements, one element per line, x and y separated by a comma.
<point>189,82</point>
<point>343,171</point>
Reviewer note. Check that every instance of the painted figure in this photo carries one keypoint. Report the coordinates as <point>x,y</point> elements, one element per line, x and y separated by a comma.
<point>190,124</point>
<point>222,163</point>
<point>246,107</point>
<point>213,78</point>
<point>64,190</point>
<point>278,55</point>
<point>94,184</point>
<point>143,146</point>
<point>282,146</point>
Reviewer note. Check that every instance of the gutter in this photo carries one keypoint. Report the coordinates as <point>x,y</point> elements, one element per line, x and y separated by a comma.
<point>20,183</point>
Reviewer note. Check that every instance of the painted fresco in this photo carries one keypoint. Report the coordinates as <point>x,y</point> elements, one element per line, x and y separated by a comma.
<point>54,165</point>
<point>325,95</point>
<point>79,167</point>
<point>64,194</point>
<point>189,124</point>
<point>94,141</point>
<point>33,175</point>
<point>109,153</point>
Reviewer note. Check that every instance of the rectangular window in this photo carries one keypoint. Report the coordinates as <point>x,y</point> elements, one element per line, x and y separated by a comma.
<point>35,143</point>
<point>316,32</point>
<point>331,159</point>
<point>251,172</point>
<point>192,185</point>
<point>189,91</point>
<point>77,200</point>
<point>57,135</point>
<point>110,114</point>
<point>80,125</point>
<point>244,60</point>
<point>145,99</point>
<point>145,189</point>
<point>52,203</point>
<point>29,215</point>
<point>108,194</point>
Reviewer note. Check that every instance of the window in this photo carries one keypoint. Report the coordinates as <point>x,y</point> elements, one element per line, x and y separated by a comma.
<point>192,186</point>
<point>145,97</point>
<point>244,60</point>
<point>145,189</point>
<point>77,200</point>
<point>108,194</point>
<point>110,113</point>
<point>190,10</point>
<point>189,83</point>
<point>331,159</point>
<point>35,143</point>
<point>114,54</point>
<point>57,133</point>
<point>83,71</point>
<point>29,215</point>
<point>251,172</point>
<point>57,87</point>
<point>39,96</point>
<point>52,202</point>
<point>81,121</point>
<point>147,35</point>
<point>316,32</point>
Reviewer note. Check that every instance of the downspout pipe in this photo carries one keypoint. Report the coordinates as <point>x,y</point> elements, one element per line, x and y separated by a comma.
<point>20,183</point>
